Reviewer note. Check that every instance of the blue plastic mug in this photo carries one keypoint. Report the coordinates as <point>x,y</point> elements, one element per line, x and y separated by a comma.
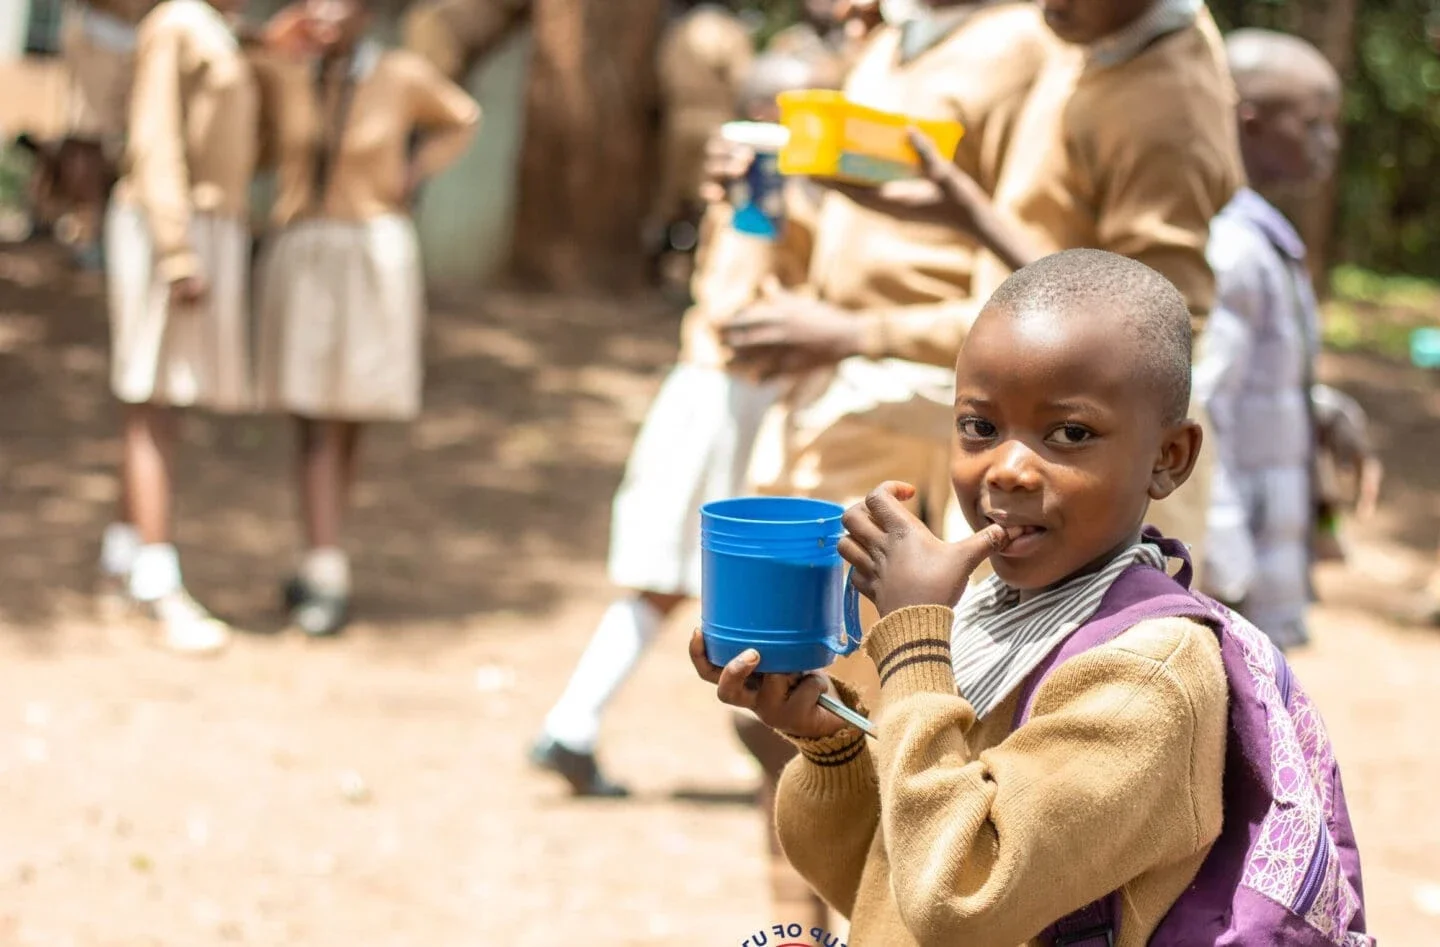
<point>772,580</point>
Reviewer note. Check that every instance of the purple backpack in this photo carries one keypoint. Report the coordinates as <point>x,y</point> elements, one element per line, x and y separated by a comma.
<point>1285,869</point>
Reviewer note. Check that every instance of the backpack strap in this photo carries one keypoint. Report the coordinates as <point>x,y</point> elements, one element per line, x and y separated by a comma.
<point>1092,926</point>
<point>1140,593</point>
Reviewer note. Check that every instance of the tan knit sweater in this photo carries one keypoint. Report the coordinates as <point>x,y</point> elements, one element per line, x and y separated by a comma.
<point>948,831</point>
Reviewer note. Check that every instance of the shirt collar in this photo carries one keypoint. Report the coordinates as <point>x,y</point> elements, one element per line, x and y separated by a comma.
<point>1264,216</point>
<point>1163,17</point>
<point>927,28</point>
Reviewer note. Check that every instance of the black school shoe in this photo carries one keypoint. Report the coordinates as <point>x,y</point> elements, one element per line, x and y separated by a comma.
<point>316,614</point>
<point>578,769</point>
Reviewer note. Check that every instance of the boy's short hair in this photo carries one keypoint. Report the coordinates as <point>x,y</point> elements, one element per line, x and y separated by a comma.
<point>1146,306</point>
<point>1265,64</point>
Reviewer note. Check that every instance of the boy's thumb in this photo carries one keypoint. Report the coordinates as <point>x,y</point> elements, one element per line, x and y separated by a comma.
<point>973,550</point>
<point>770,287</point>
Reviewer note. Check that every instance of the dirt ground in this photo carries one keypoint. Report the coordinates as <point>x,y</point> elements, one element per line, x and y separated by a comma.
<point>372,790</point>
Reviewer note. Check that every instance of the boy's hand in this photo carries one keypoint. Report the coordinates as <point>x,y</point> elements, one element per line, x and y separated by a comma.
<point>899,562</point>
<point>288,31</point>
<point>788,333</point>
<point>188,292</point>
<point>962,195</point>
<point>725,162</point>
<point>784,702</point>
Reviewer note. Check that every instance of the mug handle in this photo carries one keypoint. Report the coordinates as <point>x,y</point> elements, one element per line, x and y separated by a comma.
<point>853,631</point>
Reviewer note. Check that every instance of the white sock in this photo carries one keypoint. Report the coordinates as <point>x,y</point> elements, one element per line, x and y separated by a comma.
<point>326,570</point>
<point>155,573</point>
<point>118,548</point>
<point>626,629</point>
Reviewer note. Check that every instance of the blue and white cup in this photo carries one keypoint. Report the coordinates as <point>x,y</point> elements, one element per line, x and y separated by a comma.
<point>758,198</point>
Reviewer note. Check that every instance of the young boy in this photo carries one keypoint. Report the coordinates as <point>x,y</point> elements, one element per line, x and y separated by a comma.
<point>694,447</point>
<point>1256,368</point>
<point>1070,419</point>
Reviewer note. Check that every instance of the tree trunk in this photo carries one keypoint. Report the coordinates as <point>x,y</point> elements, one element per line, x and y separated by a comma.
<point>588,145</point>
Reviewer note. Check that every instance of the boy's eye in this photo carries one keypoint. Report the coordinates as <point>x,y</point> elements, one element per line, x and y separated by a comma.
<point>1072,434</point>
<point>977,428</point>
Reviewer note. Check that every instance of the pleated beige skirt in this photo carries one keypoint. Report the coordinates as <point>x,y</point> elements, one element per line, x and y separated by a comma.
<point>198,357</point>
<point>342,313</point>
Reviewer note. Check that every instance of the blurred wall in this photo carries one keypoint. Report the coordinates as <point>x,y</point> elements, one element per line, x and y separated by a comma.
<point>466,217</point>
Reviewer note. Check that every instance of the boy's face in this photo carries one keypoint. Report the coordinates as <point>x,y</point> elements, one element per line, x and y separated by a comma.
<point>1085,21</point>
<point>1057,431</point>
<point>1294,139</point>
<point>336,24</point>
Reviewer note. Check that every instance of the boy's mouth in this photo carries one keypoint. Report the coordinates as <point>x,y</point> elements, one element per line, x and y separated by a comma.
<point>1029,537</point>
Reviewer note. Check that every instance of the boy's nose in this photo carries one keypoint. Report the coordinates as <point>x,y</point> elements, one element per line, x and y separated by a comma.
<point>1014,467</point>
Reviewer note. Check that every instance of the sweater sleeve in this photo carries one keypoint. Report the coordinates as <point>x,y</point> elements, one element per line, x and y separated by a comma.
<point>157,148</point>
<point>445,114</point>
<point>1096,789</point>
<point>929,333</point>
<point>827,809</point>
<point>1155,200</point>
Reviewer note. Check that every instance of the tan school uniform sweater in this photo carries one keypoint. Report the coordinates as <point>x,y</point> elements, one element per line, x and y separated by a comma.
<point>731,267</point>
<point>395,92</point>
<point>881,265</point>
<point>193,129</point>
<point>1135,158</point>
<point>948,830</point>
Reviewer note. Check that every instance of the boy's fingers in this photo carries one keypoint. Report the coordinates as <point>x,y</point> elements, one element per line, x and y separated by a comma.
<point>852,552</point>
<point>759,337</point>
<point>731,687</point>
<point>806,692</point>
<point>925,149</point>
<point>703,667</point>
<point>973,550</point>
<point>886,504</point>
<point>860,523</point>
<point>771,695</point>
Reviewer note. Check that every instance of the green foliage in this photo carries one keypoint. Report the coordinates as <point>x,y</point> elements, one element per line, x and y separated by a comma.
<point>1389,196</point>
<point>772,16</point>
<point>1377,313</point>
<point>15,168</point>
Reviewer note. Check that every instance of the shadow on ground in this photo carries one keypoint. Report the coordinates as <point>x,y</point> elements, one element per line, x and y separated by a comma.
<point>530,407</point>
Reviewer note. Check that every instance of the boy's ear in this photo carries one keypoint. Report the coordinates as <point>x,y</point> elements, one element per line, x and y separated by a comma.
<point>1178,453</point>
<point>1248,116</point>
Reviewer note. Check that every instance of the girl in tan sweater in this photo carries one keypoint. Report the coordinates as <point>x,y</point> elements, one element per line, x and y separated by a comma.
<point>953,826</point>
<point>356,129</point>
<point>178,248</point>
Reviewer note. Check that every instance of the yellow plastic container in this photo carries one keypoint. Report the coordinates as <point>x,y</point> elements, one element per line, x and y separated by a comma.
<point>832,137</point>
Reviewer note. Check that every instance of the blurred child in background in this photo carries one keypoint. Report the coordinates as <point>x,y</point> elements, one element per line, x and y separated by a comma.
<point>1256,368</point>
<point>341,306</point>
<point>178,244</point>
